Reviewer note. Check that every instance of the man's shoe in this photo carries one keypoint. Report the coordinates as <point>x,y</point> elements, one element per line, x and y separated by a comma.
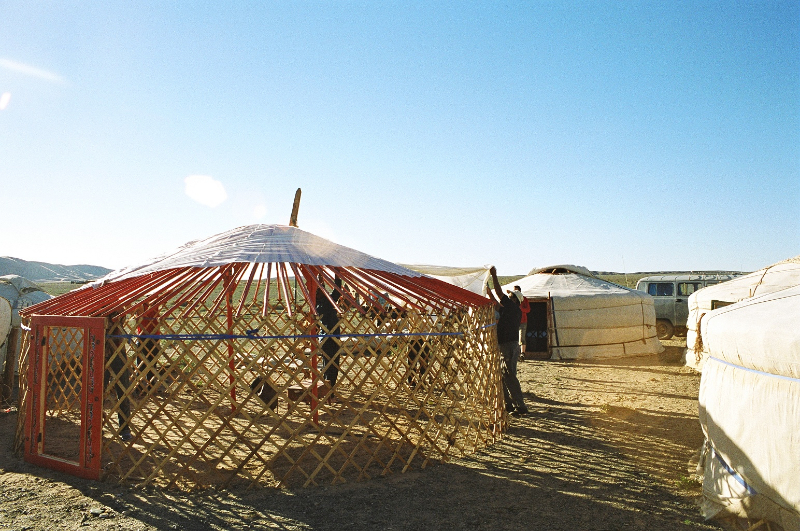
<point>125,435</point>
<point>519,412</point>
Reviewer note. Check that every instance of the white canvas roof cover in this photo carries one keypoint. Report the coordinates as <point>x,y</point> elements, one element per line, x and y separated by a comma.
<point>567,267</point>
<point>472,279</point>
<point>260,244</point>
<point>773,278</point>
<point>592,317</point>
<point>750,408</point>
<point>20,293</point>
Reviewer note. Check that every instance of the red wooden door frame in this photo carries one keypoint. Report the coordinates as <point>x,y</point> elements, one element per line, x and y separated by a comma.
<point>92,372</point>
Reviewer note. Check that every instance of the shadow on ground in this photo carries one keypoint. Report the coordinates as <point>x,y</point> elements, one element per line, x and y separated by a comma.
<point>567,466</point>
<point>553,471</point>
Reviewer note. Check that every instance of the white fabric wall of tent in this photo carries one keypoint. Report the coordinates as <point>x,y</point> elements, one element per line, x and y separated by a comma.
<point>589,317</point>
<point>767,280</point>
<point>5,319</point>
<point>750,406</point>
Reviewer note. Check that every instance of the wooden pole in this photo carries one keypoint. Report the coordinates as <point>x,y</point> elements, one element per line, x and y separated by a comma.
<point>295,208</point>
<point>11,362</point>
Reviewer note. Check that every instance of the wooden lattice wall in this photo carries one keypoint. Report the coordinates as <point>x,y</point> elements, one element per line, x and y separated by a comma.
<point>419,378</point>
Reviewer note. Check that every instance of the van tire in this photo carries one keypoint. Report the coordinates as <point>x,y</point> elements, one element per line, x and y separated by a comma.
<point>664,329</point>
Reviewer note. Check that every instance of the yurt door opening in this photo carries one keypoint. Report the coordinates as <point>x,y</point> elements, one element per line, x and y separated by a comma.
<point>537,342</point>
<point>64,414</point>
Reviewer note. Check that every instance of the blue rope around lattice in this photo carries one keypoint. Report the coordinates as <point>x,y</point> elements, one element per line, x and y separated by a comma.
<point>251,334</point>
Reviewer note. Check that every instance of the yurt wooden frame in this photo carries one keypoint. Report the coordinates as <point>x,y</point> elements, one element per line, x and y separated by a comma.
<point>419,382</point>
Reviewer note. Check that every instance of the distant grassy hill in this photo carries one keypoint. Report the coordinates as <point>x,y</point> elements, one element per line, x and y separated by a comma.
<point>44,272</point>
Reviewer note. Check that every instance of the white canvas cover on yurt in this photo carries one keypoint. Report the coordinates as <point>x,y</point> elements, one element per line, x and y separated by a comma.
<point>750,409</point>
<point>565,267</point>
<point>258,244</point>
<point>472,279</point>
<point>767,280</point>
<point>20,293</point>
<point>592,318</point>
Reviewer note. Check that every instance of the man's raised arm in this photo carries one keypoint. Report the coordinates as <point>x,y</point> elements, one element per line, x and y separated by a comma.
<point>493,272</point>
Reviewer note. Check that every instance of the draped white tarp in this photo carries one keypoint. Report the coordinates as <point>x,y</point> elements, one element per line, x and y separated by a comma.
<point>750,408</point>
<point>472,279</point>
<point>593,318</point>
<point>259,244</point>
<point>16,292</point>
<point>773,278</point>
<point>20,293</point>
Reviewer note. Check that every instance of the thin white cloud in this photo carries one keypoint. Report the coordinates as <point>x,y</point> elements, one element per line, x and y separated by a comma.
<point>259,211</point>
<point>4,99</point>
<point>205,190</point>
<point>28,70</point>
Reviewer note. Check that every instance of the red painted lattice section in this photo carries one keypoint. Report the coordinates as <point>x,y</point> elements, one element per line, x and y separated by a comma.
<point>65,374</point>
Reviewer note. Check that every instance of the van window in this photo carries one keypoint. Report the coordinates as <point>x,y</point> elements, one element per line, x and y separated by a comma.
<point>687,288</point>
<point>661,289</point>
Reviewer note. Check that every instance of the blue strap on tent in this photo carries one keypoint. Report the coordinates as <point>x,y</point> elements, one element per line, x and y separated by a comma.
<point>750,490</point>
<point>251,334</point>
<point>216,337</point>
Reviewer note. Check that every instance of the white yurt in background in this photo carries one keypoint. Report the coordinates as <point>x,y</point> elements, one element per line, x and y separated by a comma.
<point>575,315</point>
<point>750,408</point>
<point>767,280</point>
<point>18,292</point>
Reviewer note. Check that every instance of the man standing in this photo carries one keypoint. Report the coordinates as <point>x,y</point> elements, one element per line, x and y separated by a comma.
<point>118,371</point>
<point>508,343</point>
<point>329,318</point>
<point>525,308</point>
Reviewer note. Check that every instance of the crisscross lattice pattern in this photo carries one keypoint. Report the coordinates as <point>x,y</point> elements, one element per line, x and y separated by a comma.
<point>62,398</point>
<point>224,381</point>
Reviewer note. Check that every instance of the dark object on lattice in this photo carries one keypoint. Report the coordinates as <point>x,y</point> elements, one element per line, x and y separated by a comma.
<point>419,351</point>
<point>266,392</point>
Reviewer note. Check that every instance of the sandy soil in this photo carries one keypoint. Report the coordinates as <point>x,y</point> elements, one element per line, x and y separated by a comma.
<point>607,446</point>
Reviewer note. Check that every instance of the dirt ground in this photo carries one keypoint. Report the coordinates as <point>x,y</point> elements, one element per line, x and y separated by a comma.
<point>606,447</point>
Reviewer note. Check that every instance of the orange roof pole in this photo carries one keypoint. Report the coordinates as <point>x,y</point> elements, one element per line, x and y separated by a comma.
<point>228,287</point>
<point>312,302</point>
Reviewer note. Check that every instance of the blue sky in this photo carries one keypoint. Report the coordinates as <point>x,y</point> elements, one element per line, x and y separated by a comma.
<point>634,136</point>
